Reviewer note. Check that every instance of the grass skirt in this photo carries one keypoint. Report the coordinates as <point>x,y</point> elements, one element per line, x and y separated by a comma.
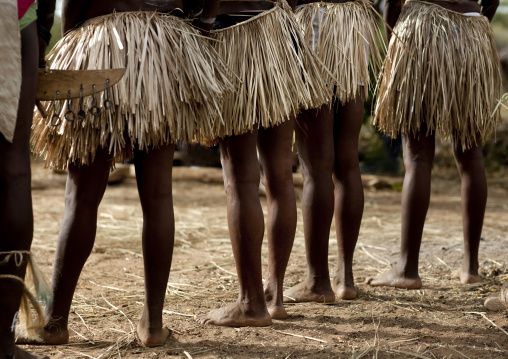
<point>172,89</point>
<point>347,39</point>
<point>442,70</point>
<point>277,74</point>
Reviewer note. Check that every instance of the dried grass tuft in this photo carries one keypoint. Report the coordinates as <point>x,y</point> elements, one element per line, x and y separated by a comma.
<point>346,54</point>
<point>277,73</point>
<point>171,91</point>
<point>442,73</point>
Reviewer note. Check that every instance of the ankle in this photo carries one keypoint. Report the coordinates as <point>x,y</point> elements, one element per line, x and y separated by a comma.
<point>253,304</point>
<point>406,270</point>
<point>56,324</point>
<point>314,280</point>
<point>470,269</point>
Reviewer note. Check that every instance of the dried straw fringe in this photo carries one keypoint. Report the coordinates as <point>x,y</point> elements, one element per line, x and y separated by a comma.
<point>443,70</point>
<point>277,73</point>
<point>34,276</point>
<point>10,68</point>
<point>171,91</point>
<point>348,41</point>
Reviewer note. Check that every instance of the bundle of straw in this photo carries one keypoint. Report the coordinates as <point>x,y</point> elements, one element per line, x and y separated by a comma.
<point>36,280</point>
<point>347,40</point>
<point>277,73</point>
<point>172,89</point>
<point>442,69</point>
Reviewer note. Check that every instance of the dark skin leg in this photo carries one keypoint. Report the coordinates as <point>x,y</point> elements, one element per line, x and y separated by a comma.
<point>349,197</point>
<point>314,129</point>
<point>77,237</point>
<point>321,156</point>
<point>75,241</point>
<point>154,178</point>
<point>16,219</point>
<point>474,199</point>
<point>418,156</point>
<point>275,151</point>
<point>246,228</point>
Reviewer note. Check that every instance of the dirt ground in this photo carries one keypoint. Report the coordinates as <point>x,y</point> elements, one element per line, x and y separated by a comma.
<point>442,320</point>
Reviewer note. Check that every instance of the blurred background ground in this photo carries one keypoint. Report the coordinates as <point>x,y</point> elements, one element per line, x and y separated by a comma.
<point>442,320</point>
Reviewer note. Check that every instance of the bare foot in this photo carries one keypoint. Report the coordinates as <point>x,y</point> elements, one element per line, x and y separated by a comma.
<point>344,285</point>
<point>394,278</point>
<point>53,333</point>
<point>277,311</point>
<point>236,315</point>
<point>152,337</point>
<point>303,293</point>
<point>273,300</point>
<point>344,291</point>
<point>466,277</point>
<point>23,354</point>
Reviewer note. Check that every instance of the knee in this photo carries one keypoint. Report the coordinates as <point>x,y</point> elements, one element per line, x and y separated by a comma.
<point>346,164</point>
<point>470,159</point>
<point>316,171</point>
<point>86,198</point>
<point>157,195</point>
<point>157,203</point>
<point>242,188</point>
<point>278,180</point>
<point>80,202</point>
<point>277,170</point>
<point>86,185</point>
<point>418,161</point>
<point>239,180</point>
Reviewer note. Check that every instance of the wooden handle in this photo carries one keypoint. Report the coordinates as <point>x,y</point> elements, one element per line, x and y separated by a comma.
<point>41,109</point>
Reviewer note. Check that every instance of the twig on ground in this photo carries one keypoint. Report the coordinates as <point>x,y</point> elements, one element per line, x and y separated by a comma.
<point>443,262</point>
<point>84,323</point>
<point>395,305</point>
<point>222,269</point>
<point>82,336</point>
<point>455,350</point>
<point>416,355</point>
<point>171,312</point>
<point>382,260</point>
<point>300,336</point>
<point>488,320</point>
<point>133,327</point>
<point>109,287</point>
<point>83,354</point>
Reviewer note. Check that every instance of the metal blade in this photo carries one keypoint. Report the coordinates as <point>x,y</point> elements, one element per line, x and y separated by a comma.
<point>63,81</point>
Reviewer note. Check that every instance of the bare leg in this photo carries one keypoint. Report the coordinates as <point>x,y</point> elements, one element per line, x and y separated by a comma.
<point>274,146</point>
<point>348,194</point>
<point>314,139</point>
<point>154,177</point>
<point>83,193</point>
<point>16,219</point>
<point>246,227</point>
<point>474,200</point>
<point>418,156</point>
